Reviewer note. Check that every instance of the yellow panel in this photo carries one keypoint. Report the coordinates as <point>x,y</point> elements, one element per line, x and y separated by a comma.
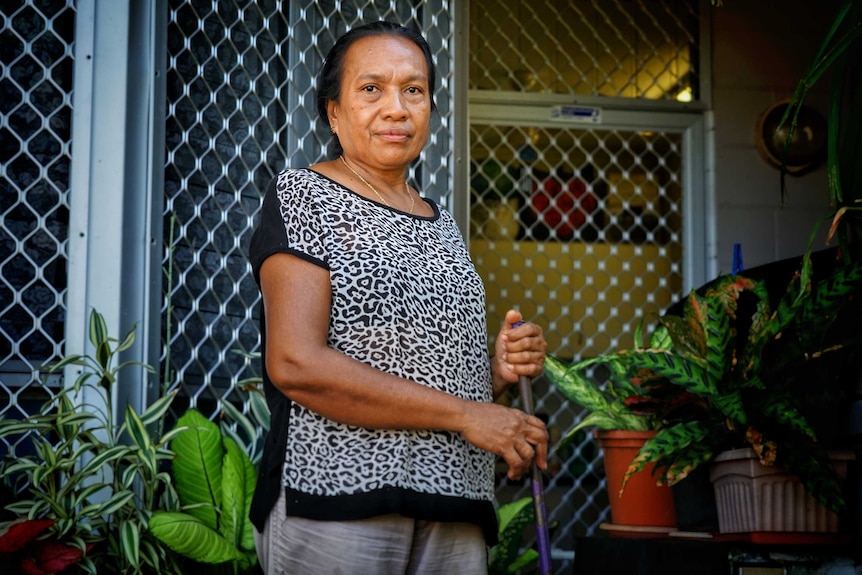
<point>583,295</point>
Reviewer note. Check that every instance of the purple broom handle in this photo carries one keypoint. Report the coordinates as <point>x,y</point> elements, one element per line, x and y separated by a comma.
<point>543,537</point>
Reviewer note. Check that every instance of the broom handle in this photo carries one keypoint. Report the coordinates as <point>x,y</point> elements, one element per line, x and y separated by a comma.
<point>543,538</point>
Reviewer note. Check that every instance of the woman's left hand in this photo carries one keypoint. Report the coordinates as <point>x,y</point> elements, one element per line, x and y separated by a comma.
<point>517,351</point>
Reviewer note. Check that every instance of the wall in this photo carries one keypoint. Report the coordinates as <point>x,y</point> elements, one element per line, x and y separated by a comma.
<point>760,50</point>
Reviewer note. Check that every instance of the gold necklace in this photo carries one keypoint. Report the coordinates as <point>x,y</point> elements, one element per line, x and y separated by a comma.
<point>376,193</point>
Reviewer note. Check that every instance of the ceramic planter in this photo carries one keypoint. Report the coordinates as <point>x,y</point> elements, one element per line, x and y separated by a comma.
<point>642,503</point>
<point>752,497</point>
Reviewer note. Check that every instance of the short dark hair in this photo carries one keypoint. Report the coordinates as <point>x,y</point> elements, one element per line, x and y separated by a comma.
<point>329,77</point>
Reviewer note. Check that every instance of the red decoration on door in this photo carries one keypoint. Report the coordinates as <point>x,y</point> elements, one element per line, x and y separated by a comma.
<point>562,209</point>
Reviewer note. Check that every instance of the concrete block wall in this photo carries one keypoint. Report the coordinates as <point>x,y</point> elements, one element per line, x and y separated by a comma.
<point>760,50</point>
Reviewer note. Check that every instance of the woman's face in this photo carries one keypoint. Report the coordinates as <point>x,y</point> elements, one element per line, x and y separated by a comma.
<point>383,115</point>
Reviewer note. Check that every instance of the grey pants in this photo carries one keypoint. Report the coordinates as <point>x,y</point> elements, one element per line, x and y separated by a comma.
<point>387,545</point>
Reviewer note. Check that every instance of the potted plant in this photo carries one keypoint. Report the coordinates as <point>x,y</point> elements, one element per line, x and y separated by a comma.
<point>624,418</point>
<point>736,367</point>
<point>93,495</point>
<point>82,488</point>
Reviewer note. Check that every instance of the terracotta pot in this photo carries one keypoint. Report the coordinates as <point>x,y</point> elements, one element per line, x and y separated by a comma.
<point>642,503</point>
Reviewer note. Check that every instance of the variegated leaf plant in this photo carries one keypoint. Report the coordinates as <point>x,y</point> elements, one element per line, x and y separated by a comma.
<point>717,380</point>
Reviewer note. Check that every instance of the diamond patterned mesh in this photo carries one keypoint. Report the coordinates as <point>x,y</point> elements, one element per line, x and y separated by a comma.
<point>35,114</point>
<point>589,47</point>
<point>580,227</point>
<point>241,107</point>
<point>581,230</point>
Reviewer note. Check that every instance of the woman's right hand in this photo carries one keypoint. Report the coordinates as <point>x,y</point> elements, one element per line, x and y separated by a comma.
<point>510,433</point>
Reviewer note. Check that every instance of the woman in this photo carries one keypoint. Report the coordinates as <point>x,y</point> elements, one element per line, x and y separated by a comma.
<point>384,431</point>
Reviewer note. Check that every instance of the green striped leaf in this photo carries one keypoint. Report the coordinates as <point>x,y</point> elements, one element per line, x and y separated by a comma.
<point>130,542</point>
<point>241,420</point>
<point>98,328</point>
<point>575,386</point>
<point>238,482</point>
<point>102,458</point>
<point>191,538</point>
<point>136,429</point>
<point>197,466</point>
<point>114,503</point>
<point>684,372</point>
<point>157,410</point>
<point>732,407</point>
<point>259,408</point>
<point>667,443</point>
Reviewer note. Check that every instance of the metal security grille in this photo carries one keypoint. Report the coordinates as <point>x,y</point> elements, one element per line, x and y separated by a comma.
<point>578,223</point>
<point>240,108</point>
<point>617,48</point>
<point>581,227</point>
<point>35,116</point>
<point>581,230</point>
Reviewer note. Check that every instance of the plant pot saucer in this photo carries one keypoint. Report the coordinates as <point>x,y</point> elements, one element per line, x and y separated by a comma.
<point>700,535</point>
<point>636,531</point>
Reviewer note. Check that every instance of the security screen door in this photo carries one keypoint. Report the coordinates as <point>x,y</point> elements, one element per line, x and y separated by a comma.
<point>588,226</point>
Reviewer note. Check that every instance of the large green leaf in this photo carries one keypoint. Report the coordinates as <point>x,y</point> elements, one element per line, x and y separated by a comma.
<point>686,372</point>
<point>782,409</point>
<point>667,443</point>
<point>614,419</point>
<point>198,466</point>
<point>732,407</point>
<point>575,385</point>
<point>238,482</point>
<point>687,460</point>
<point>190,537</point>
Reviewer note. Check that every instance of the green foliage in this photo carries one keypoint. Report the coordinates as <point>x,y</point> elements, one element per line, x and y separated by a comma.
<point>215,480</point>
<point>506,556</point>
<point>839,54</point>
<point>247,430</point>
<point>96,481</point>
<point>722,378</point>
<point>611,403</point>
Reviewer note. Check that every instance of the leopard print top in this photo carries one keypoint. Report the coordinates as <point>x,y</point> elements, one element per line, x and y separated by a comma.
<point>407,300</point>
